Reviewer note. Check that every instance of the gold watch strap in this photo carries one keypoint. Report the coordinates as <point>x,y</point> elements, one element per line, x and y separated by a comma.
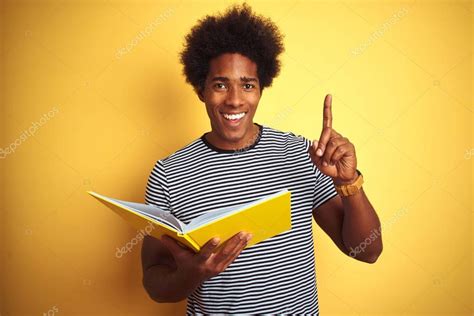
<point>350,189</point>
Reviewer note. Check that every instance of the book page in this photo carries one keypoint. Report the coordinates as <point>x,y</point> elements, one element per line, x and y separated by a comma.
<point>155,213</point>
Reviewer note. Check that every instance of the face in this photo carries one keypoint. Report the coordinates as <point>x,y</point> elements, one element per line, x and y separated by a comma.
<point>231,95</point>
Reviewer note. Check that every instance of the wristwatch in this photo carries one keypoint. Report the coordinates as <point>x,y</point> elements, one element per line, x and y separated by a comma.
<point>351,189</point>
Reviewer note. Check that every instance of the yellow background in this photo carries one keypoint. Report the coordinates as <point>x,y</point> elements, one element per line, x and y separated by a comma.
<point>109,71</point>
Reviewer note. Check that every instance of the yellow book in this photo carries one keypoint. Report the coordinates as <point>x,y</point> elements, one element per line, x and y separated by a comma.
<point>264,218</point>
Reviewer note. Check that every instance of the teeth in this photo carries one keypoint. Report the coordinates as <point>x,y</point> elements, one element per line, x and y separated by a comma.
<point>234,116</point>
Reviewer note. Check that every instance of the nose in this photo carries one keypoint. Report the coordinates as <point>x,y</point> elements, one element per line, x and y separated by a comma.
<point>234,97</point>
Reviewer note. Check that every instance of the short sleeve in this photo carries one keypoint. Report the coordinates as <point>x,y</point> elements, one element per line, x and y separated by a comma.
<point>324,189</point>
<point>157,192</point>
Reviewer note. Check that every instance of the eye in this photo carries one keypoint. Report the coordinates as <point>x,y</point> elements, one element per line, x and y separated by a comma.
<point>249,86</point>
<point>219,85</point>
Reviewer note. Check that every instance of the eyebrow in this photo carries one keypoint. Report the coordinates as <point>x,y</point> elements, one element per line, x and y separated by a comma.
<point>243,79</point>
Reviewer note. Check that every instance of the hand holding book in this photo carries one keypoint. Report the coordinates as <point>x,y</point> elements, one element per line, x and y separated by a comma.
<point>211,260</point>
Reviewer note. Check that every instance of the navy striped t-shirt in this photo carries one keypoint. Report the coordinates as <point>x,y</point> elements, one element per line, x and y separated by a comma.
<point>276,275</point>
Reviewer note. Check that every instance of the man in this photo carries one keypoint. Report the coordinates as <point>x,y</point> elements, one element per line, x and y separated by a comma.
<point>229,60</point>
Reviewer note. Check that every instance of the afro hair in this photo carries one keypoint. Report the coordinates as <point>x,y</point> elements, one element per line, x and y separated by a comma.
<point>238,30</point>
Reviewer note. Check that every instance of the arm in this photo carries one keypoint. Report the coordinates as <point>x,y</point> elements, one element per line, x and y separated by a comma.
<point>160,277</point>
<point>171,272</point>
<point>349,221</point>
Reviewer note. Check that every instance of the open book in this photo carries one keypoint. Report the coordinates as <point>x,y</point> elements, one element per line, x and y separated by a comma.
<point>264,218</point>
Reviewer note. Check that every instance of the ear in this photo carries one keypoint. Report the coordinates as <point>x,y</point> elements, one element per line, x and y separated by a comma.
<point>199,92</point>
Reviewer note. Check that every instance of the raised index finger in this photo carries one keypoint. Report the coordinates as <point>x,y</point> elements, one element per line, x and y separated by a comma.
<point>327,126</point>
<point>327,111</point>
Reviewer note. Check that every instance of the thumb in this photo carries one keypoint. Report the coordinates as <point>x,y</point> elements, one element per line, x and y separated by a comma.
<point>314,147</point>
<point>312,150</point>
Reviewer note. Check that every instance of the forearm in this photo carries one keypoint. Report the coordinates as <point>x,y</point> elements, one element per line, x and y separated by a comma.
<point>165,284</point>
<point>361,230</point>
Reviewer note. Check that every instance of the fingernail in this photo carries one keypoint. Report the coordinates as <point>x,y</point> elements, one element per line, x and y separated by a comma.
<point>241,236</point>
<point>214,241</point>
<point>325,164</point>
<point>319,152</point>
<point>249,236</point>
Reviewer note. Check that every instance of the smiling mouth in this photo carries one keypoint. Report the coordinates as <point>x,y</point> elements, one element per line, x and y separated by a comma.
<point>234,117</point>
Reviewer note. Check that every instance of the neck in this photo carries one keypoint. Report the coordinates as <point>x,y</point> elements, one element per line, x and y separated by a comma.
<point>241,144</point>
